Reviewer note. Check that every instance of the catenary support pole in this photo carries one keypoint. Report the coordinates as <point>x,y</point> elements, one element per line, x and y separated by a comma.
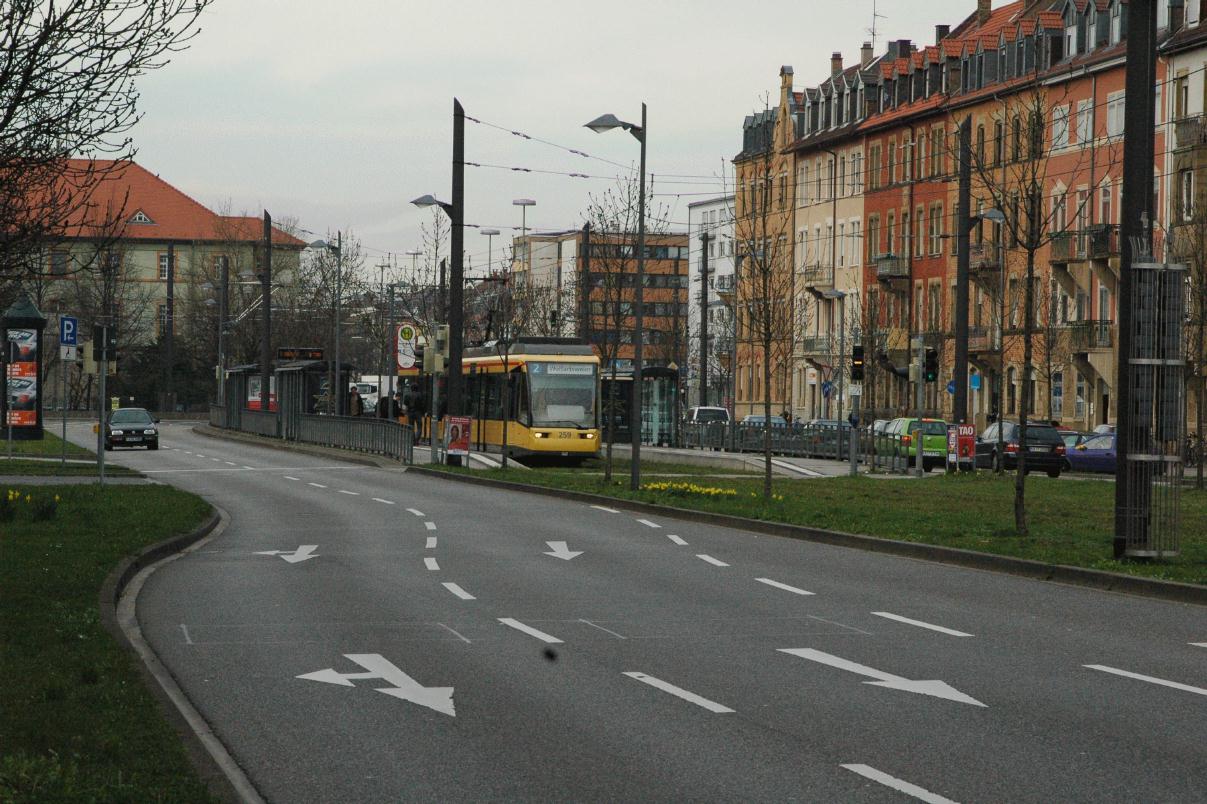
<point>456,279</point>
<point>705,237</point>
<point>635,415</point>
<point>266,346</point>
<point>959,374</point>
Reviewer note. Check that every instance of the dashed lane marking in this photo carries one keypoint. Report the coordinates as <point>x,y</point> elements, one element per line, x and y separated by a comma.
<point>431,564</point>
<point>317,485</point>
<point>716,562</point>
<point>431,543</point>
<point>949,631</point>
<point>783,586</point>
<point>649,524</point>
<point>416,512</point>
<point>349,493</point>
<point>900,785</point>
<point>677,540</point>
<point>458,591</point>
<point>530,631</point>
<point>290,477</point>
<point>605,509</point>
<point>385,502</point>
<point>679,692</point>
<point>430,525</point>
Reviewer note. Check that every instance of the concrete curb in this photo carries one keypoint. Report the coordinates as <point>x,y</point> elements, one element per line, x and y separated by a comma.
<point>291,446</point>
<point>218,770</point>
<point>1172,591</point>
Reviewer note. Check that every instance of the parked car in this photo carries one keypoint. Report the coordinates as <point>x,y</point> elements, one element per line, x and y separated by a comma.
<point>934,440</point>
<point>707,415</point>
<point>1095,454</point>
<point>822,437</point>
<point>131,427</point>
<point>1104,429</point>
<point>758,419</point>
<point>1045,448</point>
<point>1072,438</point>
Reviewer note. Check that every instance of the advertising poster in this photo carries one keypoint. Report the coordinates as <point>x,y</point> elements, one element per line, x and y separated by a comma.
<point>22,377</point>
<point>458,435</point>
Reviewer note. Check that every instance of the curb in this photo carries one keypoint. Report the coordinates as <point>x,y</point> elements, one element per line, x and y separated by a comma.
<point>218,771</point>
<point>1172,591</point>
<point>306,449</point>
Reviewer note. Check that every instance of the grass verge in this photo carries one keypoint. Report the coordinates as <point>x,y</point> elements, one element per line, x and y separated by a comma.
<point>620,469</point>
<point>44,468</point>
<point>49,446</point>
<point>76,722</point>
<point>1071,522</point>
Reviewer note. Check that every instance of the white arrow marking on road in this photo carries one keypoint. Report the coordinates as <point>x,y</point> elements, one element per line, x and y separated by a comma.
<point>649,524</point>
<point>380,500</point>
<point>458,591</point>
<point>431,543</point>
<point>529,630</point>
<point>430,563</point>
<point>676,540</point>
<point>560,550</point>
<point>404,687</point>
<point>304,552</point>
<point>678,692</point>
<point>715,562</point>
<point>605,509</point>
<point>938,689</point>
<point>1150,679</point>
<point>899,785</point>
<point>415,512</point>
<point>783,586</point>
<point>890,616</point>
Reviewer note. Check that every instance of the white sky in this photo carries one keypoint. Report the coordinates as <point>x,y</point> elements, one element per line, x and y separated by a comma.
<point>340,113</point>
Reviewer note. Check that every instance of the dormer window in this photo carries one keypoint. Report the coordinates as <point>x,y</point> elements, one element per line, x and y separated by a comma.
<point>141,218</point>
<point>1070,20</point>
<point>1116,21</point>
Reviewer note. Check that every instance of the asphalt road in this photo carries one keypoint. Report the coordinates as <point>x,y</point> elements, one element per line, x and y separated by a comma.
<point>667,660</point>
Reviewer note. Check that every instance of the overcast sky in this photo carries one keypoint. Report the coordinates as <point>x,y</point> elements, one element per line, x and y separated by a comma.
<point>340,113</point>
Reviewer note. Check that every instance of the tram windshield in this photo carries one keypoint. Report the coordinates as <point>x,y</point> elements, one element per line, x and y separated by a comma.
<point>563,394</point>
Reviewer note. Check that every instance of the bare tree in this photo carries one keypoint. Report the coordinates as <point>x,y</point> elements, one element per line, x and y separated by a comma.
<point>1188,244</point>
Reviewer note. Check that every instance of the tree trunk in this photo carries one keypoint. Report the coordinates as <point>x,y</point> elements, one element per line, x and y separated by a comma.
<point>1020,479</point>
<point>1201,391</point>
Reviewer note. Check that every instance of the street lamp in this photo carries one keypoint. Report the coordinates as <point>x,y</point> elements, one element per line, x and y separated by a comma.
<point>599,125</point>
<point>523,204</point>
<point>490,238</point>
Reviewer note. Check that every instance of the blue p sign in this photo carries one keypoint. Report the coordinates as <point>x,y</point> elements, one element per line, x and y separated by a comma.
<point>68,328</point>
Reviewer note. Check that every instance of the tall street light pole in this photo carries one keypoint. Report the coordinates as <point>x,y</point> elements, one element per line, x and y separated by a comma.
<point>523,204</point>
<point>337,386</point>
<point>266,290</point>
<point>490,239</point>
<point>456,324</point>
<point>600,124</point>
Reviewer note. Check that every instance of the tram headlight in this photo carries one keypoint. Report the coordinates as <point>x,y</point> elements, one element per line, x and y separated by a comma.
<point>540,435</point>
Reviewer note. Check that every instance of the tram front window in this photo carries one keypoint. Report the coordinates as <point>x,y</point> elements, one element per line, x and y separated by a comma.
<point>563,394</point>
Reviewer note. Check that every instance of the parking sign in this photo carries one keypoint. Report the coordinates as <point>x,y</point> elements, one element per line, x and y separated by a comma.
<point>68,329</point>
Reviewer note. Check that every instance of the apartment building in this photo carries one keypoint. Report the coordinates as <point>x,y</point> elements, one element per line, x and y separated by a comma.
<point>711,241</point>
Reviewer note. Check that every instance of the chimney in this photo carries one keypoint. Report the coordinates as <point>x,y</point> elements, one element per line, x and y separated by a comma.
<point>835,63</point>
<point>941,32</point>
<point>865,54</point>
<point>904,48</point>
<point>983,9</point>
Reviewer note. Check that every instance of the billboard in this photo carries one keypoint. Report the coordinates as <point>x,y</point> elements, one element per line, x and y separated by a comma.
<point>22,379</point>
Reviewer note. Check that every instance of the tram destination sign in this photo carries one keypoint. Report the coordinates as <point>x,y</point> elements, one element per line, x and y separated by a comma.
<point>299,353</point>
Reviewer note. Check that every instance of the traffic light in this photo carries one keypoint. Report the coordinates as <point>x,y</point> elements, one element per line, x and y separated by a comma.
<point>930,368</point>
<point>856,364</point>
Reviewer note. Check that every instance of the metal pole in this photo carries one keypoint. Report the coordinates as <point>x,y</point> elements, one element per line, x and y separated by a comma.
<point>1133,407</point>
<point>266,291</point>
<point>921,358</point>
<point>103,370</point>
<point>704,238</point>
<point>338,380</point>
<point>959,404</point>
<point>841,301</point>
<point>223,312</point>
<point>432,419</point>
<point>381,362</point>
<point>638,334</point>
<point>392,362</point>
<point>457,278</point>
<point>63,404</point>
<point>169,349</point>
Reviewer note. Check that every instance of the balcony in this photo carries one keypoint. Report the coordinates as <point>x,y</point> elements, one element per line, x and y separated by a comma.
<point>891,266</point>
<point>1189,132</point>
<point>1103,241</point>
<point>981,340</point>
<point>820,277</point>
<point>1091,336</point>
<point>817,345</point>
<point>984,258</point>
<point>1063,248</point>
<point>723,284</point>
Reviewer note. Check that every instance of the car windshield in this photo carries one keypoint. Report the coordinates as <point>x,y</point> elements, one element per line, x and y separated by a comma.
<point>563,394</point>
<point>934,428</point>
<point>132,416</point>
<point>1041,435</point>
<point>1070,439</point>
<point>711,416</point>
<point>1101,442</point>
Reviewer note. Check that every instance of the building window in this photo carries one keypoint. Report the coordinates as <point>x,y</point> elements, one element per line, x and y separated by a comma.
<point>1181,96</point>
<point>1114,114</point>
<point>1085,129</point>
<point>1079,401</point>
<point>856,247</point>
<point>920,240</point>
<point>1186,193</point>
<point>161,318</point>
<point>58,263</point>
<point>163,266</point>
<point>999,143</point>
<point>1104,204</point>
<point>935,229</point>
<point>1060,127</point>
<point>1011,392</point>
<point>873,237</point>
<point>1058,394</point>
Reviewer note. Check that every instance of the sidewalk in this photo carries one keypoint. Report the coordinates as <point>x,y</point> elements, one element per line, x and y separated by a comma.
<point>782,465</point>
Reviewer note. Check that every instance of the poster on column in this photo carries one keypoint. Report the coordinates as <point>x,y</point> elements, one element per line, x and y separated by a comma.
<point>22,380</point>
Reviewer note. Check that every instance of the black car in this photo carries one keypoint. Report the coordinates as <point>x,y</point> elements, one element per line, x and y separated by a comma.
<point>1045,448</point>
<point>131,427</point>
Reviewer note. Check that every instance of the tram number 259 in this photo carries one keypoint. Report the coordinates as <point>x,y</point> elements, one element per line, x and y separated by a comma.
<point>563,435</point>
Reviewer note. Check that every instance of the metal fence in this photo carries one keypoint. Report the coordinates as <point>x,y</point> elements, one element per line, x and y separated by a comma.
<point>363,434</point>
<point>813,440</point>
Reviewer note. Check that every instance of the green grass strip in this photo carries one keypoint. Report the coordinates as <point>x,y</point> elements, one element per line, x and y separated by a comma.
<point>76,722</point>
<point>1071,521</point>
<point>50,445</point>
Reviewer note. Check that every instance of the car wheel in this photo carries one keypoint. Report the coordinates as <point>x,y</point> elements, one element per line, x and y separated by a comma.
<point>108,446</point>
<point>1053,473</point>
<point>153,445</point>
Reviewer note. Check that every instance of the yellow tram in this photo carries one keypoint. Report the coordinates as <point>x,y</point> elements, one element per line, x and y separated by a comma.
<point>551,386</point>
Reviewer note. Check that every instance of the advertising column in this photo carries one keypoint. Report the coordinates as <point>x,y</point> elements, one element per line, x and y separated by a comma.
<point>22,362</point>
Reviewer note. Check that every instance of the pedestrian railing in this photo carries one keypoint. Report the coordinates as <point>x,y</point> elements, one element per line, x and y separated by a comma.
<point>360,433</point>
<point>830,441</point>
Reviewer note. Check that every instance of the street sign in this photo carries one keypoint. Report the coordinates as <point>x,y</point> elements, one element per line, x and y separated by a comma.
<point>855,389</point>
<point>69,328</point>
<point>951,386</point>
<point>826,388</point>
<point>68,353</point>
<point>975,382</point>
<point>404,346</point>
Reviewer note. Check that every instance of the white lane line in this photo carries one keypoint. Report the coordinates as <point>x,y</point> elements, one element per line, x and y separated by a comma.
<point>605,509</point>
<point>317,485</point>
<point>431,564</point>
<point>840,625</point>
<point>188,452</point>
<point>199,455</point>
<point>529,630</point>
<point>1199,644</point>
<point>649,524</point>
<point>289,477</point>
<point>430,525</point>
<point>248,467</point>
<point>458,591</point>
<point>229,463</point>
<point>350,493</point>
<point>900,785</point>
<point>431,543</point>
<point>711,706</point>
<point>1150,679</point>
<point>187,639</point>
<point>385,502</point>
<point>890,616</point>
<point>601,628</point>
<point>676,540</point>
<point>454,633</point>
<point>415,512</point>
<point>715,562</point>
<point>218,459</point>
<point>783,586</point>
